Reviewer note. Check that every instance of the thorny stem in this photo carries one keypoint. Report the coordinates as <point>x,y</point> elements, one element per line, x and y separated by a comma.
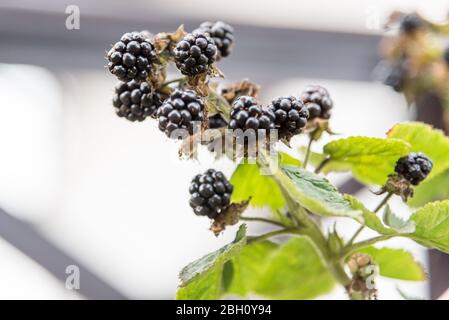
<point>277,223</point>
<point>360,229</point>
<point>322,164</point>
<point>307,155</point>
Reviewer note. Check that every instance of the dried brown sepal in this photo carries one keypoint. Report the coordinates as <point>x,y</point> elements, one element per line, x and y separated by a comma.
<point>316,127</point>
<point>215,72</point>
<point>228,217</point>
<point>397,185</point>
<point>240,88</point>
<point>166,41</point>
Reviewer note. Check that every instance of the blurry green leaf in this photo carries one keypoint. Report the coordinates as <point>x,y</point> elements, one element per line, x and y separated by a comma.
<point>436,188</point>
<point>396,263</point>
<point>202,279</point>
<point>432,225</point>
<point>370,160</point>
<point>262,189</point>
<point>424,138</point>
<point>397,223</point>
<point>316,193</point>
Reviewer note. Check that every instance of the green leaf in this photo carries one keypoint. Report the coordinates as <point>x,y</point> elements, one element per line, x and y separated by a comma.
<point>370,160</point>
<point>202,279</point>
<point>436,188</point>
<point>262,189</point>
<point>397,223</point>
<point>316,193</point>
<point>426,139</point>
<point>432,225</point>
<point>369,219</point>
<point>294,271</point>
<point>396,263</point>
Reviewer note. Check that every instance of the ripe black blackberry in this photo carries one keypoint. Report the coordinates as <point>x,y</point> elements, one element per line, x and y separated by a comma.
<point>131,57</point>
<point>222,34</point>
<point>216,121</point>
<point>210,193</point>
<point>414,167</point>
<point>195,53</point>
<point>410,23</point>
<point>135,101</point>
<point>247,113</point>
<point>318,102</point>
<point>180,111</point>
<point>289,114</point>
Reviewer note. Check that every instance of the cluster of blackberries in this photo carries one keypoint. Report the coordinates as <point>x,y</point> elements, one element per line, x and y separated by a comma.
<point>180,111</point>
<point>132,57</point>
<point>290,115</point>
<point>135,101</point>
<point>414,167</point>
<point>410,23</point>
<point>222,34</point>
<point>318,102</point>
<point>210,193</point>
<point>195,53</point>
<point>247,113</point>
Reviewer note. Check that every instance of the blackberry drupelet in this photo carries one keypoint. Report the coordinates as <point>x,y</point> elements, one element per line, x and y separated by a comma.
<point>318,102</point>
<point>180,111</point>
<point>210,193</point>
<point>247,113</point>
<point>195,53</point>
<point>216,121</point>
<point>410,23</point>
<point>131,57</point>
<point>222,34</point>
<point>135,101</point>
<point>289,114</point>
<point>414,167</point>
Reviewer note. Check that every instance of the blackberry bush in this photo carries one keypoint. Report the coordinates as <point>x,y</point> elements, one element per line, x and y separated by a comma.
<point>135,101</point>
<point>210,193</point>
<point>222,34</point>
<point>132,57</point>
<point>318,102</point>
<point>290,115</point>
<point>414,167</point>
<point>286,180</point>
<point>195,53</point>
<point>180,111</point>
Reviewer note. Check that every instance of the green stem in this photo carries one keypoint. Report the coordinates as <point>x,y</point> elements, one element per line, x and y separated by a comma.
<point>322,164</point>
<point>277,223</point>
<point>383,202</point>
<point>270,234</point>
<point>366,243</point>
<point>306,157</point>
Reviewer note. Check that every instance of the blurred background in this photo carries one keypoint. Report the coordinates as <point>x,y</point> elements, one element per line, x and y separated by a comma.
<point>80,186</point>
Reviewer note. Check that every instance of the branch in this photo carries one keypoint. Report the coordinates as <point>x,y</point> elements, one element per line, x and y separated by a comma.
<point>277,223</point>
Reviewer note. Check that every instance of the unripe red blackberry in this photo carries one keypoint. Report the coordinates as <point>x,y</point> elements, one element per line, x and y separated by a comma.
<point>290,115</point>
<point>247,113</point>
<point>132,57</point>
<point>414,167</point>
<point>135,101</point>
<point>216,121</point>
<point>318,102</point>
<point>222,34</point>
<point>210,193</point>
<point>195,53</point>
<point>180,111</point>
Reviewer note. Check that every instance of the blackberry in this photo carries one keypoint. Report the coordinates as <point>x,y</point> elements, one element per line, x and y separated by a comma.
<point>414,167</point>
<point>410,23</point>
<point>446,56</point>
<point>180,111</point>
<point>216,121</point>
<point>318,102</point>
<point>210,193</point>
<point>131,57</point>
<point>222,34</point>
<point>247,113</point>
<point>289,114</point>
<point>135,101</point>
<point>195,53</point>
